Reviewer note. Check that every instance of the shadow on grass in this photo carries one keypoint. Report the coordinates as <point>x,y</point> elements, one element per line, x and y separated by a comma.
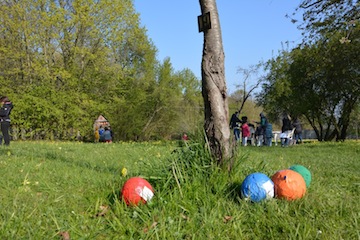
<point>234,191</point>
<point>114,197</point>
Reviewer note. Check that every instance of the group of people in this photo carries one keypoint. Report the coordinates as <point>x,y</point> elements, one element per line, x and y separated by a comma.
<point>262,135</point>
<point>5,109</point>
<point>241,126</point>
<point>103,134</point>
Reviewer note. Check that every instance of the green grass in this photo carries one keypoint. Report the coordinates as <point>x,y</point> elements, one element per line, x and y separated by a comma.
<point>49,188</point>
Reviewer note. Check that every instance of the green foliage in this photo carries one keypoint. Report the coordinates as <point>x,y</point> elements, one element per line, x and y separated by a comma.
<point>49,188</point>
<point>276,89</point>
<point>250,109</point>
<point>190,109</point>
<point>66,62</point>
<point>242,100</point>
<point>317,81</point>
<point>323,17</point>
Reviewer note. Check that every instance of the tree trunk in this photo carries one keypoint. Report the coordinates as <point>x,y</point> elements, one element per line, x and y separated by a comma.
<point>214,87</point>
<point>348,108</point>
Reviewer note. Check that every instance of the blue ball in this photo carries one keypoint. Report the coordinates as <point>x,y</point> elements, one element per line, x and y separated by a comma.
<point>257,187</point>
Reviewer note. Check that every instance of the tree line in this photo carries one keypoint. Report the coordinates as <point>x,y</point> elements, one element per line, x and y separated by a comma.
<point>319,80</point>
<point>66,62</point>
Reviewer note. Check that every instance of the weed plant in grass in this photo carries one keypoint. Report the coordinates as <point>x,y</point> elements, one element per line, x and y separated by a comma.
<point>53,187</point>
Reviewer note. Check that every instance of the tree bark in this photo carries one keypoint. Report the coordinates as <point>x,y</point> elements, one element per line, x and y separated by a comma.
<point>214,87</point>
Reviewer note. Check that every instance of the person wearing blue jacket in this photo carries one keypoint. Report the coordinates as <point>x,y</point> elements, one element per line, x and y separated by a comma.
<point>265,130</point>
<point>268,135</point>
<point>107,135</point>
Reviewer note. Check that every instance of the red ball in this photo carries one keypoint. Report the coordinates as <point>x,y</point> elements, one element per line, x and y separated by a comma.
<point>137,190</point>
<point>289,184</point>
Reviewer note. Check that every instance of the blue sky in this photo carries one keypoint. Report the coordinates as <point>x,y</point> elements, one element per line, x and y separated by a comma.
<point>252,31</point>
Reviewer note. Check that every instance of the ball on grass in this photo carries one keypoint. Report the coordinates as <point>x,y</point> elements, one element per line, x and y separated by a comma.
<point>137,190</point>
<point>288,184</point>
<point>257,187</point>
<point>304,172</point>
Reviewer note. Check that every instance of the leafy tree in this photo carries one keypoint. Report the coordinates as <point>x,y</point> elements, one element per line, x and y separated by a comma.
<point>191,108</point>
<point>319,81</point>
<point>165,99</point>
<point>244,94</point>
<point>249,109</point>
<point>320,78</point>
<point>324,17</point>
<point>75,55</point>
<point>175,98</point>
<point>214,87</point>
<point>276,90</point>
<point>66,62</point>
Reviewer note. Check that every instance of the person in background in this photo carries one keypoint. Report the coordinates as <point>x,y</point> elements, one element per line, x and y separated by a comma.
<point>234,124</point>
<point>111,133</point>
<point>298,130</point>
<point>263,124</point>
<point>252,134</point>
<point>107,135</point>
<point>245,131</point>
<point>96,134</point>
<point>285,129</point>
<point>259,135</point>
<point>101,134</point>
<point>5,109</point>
<point>268,135</point>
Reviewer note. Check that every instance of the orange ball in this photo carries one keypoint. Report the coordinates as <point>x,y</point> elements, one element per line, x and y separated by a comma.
<point>137,190</point>
<point>289,184</point>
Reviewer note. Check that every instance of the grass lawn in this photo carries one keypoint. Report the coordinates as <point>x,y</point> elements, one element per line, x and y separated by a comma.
<point>63,190</point>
